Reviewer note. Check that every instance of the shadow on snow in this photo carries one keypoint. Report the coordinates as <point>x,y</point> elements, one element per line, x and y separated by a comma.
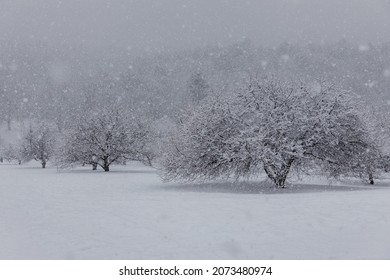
<point>113,171</point>
<point>264,187</point>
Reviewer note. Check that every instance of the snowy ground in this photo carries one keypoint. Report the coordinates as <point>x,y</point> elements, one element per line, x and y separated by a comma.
<point>129,213</point>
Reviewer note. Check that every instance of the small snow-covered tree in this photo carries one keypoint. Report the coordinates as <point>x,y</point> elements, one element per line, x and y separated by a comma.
<point>38,143</point>
<point>103,138</point>
<point>142,146</point>
<point>379,126</point>
<point>273,126</point>
<point>11,153</point>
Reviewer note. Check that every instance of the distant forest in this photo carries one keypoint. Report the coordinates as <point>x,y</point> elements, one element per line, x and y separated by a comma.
<point>60,84</point>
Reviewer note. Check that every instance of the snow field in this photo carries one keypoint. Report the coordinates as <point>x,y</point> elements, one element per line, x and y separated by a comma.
<point>129,213</point>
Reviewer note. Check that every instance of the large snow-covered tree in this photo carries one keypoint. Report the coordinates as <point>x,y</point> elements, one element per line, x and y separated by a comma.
<point>274,126</point>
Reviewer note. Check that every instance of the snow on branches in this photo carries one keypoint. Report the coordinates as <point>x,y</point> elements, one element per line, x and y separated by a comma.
<point>38,143</point>
<point>102,138</point>
<point>274,126</point>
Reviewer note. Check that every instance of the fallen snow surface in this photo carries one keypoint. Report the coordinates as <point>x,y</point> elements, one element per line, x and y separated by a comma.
<point>129,213</point>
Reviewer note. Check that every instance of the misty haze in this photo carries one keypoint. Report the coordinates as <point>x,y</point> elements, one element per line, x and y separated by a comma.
<point>214,129</point>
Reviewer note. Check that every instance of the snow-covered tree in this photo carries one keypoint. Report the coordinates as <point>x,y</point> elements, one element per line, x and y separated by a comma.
<point>273,126</point>
<point>11,153</point>
<point>105,137</point>
<point>38,143</point>
<point>144,141</point>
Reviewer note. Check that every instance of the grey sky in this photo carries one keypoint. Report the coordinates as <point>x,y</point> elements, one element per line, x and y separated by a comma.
<point>164,24</point>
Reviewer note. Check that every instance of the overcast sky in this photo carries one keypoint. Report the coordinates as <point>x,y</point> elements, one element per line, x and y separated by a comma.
<point>164,24</point>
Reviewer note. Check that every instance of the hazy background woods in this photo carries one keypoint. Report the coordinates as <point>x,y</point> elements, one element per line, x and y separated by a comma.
<point>59,58</point>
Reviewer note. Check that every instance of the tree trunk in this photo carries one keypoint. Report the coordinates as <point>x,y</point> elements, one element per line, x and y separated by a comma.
<point>371,178</point>
<point>1,159</point>
<point>106,165</point>
<point>148,161</point>
<point>278,174</point>
<point>43,164</point>
<point>94,166</point>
